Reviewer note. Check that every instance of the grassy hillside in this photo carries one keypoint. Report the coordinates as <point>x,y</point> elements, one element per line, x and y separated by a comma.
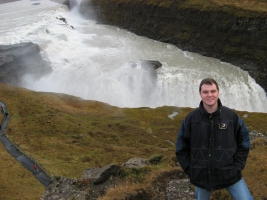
<point>66,135</point>
<point>235,6</point>
<point>239,8</point>
<point>16,182</point>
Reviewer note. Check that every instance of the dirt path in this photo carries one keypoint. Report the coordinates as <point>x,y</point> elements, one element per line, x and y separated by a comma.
<point>26,161</point>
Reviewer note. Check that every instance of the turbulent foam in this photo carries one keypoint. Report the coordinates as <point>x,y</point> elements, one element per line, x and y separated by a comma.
<point>92,61</point>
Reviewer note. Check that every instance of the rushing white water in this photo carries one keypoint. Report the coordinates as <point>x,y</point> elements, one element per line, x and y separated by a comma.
<point>92,61</point>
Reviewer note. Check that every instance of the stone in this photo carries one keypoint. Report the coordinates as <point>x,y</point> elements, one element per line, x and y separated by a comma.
<point>179,189</point>
<point>135,163</point>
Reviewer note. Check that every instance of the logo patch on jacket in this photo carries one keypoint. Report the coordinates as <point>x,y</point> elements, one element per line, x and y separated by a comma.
<point>222,125</point>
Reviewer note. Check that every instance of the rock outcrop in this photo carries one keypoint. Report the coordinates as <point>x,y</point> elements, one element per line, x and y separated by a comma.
<point>231,34</point>
<point>20,59</point>
<point>64,2</point>
<point>95,182</point>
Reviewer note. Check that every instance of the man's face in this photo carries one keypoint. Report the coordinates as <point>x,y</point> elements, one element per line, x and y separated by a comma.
<point>209,94</point>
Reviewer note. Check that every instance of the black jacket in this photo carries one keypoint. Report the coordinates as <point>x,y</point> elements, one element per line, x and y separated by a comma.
<point>212,148</point>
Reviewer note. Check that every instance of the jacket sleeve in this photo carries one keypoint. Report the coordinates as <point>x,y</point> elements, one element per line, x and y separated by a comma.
<point>183,149</point>
<point>243,144</point>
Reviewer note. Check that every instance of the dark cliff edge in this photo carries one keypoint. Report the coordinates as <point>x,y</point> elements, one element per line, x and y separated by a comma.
<point>230,34</point>
<point>63,2</point>
<point>20,59</point>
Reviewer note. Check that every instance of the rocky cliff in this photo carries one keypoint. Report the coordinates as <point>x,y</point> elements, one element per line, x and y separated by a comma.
<point>20,59</point>
<point>230,34</point>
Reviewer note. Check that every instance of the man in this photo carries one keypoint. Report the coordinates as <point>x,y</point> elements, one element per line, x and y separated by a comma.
<point>4,112</point>
<point>213,145</point>
<point>35,167</point>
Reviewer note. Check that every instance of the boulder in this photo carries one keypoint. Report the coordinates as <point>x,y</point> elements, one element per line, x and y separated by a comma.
<point>135,163</point>
<point>93,183</point>
<point>179,189</point>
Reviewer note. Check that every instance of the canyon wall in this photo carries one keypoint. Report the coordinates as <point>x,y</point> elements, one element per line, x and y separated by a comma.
<point>232,35</point>
<point>20,59</point>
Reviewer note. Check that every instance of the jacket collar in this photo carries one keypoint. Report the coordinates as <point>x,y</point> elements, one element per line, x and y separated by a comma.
<point>204,112</point>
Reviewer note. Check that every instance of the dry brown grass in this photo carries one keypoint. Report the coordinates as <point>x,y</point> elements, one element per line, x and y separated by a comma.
<point>239,8</point>
<point>16,182</point>
<point>146,183</point>
<point>66,135</point>
<point>256,5</point>
<point>126,189</point>
<point>255,172</point>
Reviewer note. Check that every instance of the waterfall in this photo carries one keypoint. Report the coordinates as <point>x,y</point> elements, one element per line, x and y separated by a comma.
<point>95,62</point>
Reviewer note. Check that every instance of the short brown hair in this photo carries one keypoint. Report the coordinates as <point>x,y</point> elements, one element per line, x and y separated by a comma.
<point>208,81</point>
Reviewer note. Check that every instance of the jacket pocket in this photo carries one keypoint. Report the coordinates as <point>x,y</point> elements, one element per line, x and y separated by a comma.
<point>224,164</point>
<point>225,172</point>
<point>199,172</point>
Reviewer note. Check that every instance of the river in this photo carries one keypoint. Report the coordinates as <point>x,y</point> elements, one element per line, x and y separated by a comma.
<point>95,62</point>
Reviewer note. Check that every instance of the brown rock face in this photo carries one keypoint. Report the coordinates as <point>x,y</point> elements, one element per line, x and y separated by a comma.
<point>238,40</point>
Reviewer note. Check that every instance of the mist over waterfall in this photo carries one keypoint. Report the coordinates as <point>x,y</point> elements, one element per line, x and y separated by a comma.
<point>104,63</point>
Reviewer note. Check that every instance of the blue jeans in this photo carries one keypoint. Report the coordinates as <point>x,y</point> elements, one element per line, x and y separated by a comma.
<point>239,191</point>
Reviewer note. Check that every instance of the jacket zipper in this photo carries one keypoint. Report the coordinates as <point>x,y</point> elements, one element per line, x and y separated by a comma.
<point>210,149</point>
